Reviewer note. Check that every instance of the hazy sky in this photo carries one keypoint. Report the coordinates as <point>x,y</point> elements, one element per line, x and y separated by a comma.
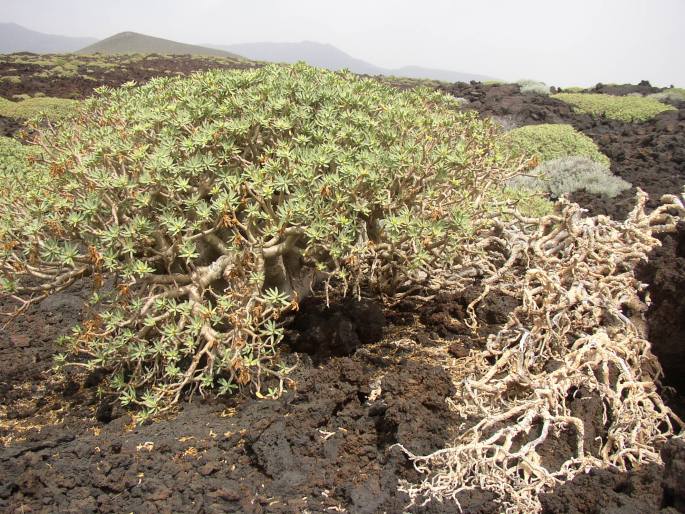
<point>563,43</point>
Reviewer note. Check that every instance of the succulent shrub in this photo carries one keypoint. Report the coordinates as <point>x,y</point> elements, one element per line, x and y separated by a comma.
<point>532,203</point>
<point>533,87</point>
<point>216,202</point>
<point>552,141</point>
<point>570,174</point>
<point>621,108</point>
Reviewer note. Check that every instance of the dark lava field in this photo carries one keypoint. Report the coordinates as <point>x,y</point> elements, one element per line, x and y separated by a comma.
<point>326,445</point>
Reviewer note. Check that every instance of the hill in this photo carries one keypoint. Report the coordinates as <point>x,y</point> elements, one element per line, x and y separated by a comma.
<point>315,54</point>
<point>419,72</point>
<point>132,43</point>
<point>15,38</point>
<point>332,58</point>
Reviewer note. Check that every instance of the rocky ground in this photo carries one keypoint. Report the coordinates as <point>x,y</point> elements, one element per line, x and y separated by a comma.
<point>367,378</point>
<point>47,75</point>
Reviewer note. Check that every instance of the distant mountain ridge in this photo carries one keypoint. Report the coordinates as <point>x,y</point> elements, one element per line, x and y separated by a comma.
<point>316,54</point>
<point>133,42</point>
<point>332,58</point>
<point>15,38</point>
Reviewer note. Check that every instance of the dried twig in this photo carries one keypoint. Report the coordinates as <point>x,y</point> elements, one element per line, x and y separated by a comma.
<point>569,334</point>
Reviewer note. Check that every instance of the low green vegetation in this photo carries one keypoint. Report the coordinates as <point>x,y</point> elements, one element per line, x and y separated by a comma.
<point>219,200</point>
<point>570,174</point>
<point>530,202</point>
<point>574,89</point>
<point>568,161</point>
<point>622,108</point>
<point>552,141</point>
<point>52,108</point>
<point>13,79</point>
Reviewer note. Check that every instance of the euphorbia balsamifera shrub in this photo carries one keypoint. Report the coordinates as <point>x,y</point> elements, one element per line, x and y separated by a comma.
<point>217,201</point>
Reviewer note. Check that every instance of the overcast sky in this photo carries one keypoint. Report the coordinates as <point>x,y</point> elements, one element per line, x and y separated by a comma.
<point>574,42</point>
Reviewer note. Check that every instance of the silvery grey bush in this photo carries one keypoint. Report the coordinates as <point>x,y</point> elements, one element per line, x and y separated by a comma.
<point>533,87</point>
<point>569,174</point>
<point>670,96</point>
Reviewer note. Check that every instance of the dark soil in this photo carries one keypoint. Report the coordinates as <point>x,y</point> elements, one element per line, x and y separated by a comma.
<point>649,489</point>
<point>328,443</point>
<point>91,77</point>
<point>665,272</point>
<point>649,155</point>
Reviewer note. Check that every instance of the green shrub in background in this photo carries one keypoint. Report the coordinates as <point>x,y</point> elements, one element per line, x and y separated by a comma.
<point>574,89</point>
<point>533,87</point>
<point>52,108</point>
<point>552,141</point>
<point>570,174</point>
<point>533,203</point>
<point>218,200</point>
<point>622,108</point>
